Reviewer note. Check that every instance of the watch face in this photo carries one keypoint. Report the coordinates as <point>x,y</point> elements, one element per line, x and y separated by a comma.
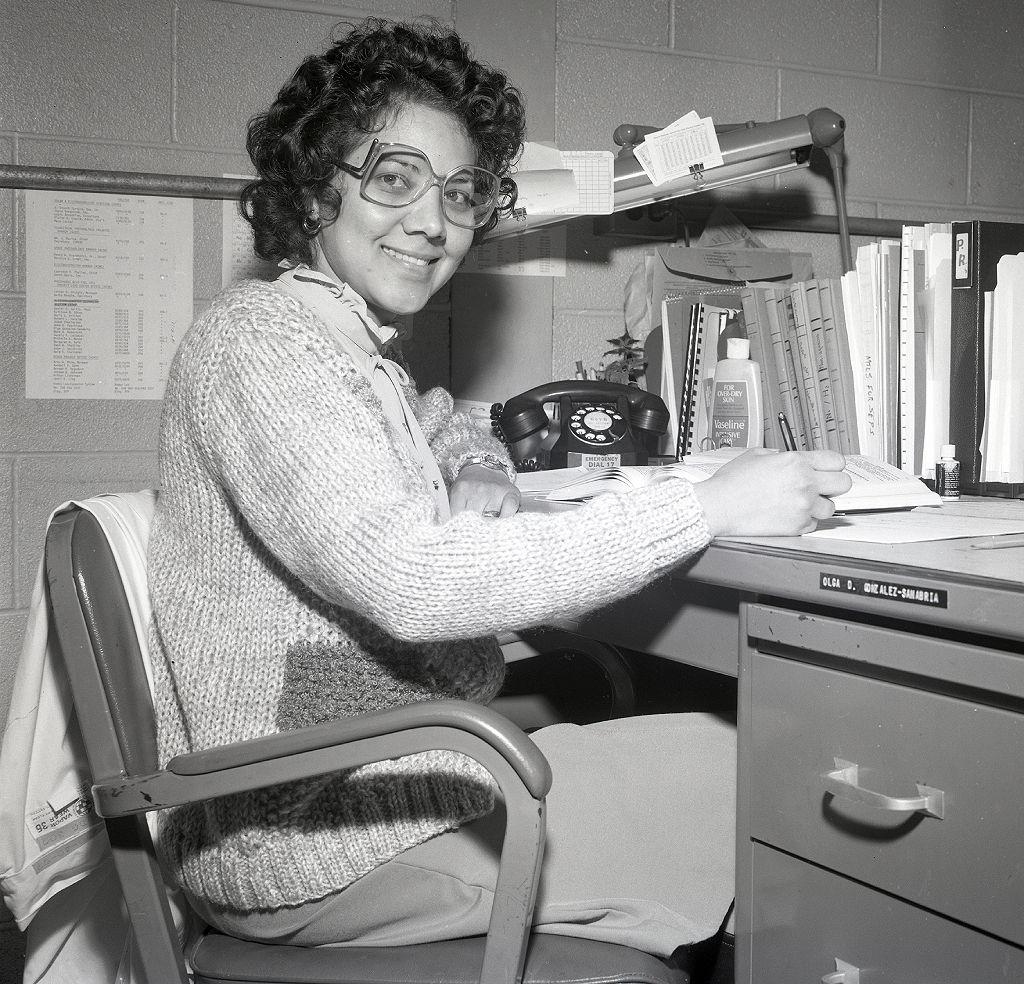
<point>597,425</point>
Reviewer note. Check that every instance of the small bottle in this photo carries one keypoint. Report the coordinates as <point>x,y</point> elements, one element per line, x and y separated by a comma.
<point>947,473</point>
<point>736,415</point>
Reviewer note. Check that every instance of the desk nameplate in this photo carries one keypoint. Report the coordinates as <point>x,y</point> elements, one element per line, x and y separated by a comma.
<point>884,589</point>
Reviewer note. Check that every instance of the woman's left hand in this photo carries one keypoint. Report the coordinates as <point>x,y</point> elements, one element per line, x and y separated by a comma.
<point>484,490</point>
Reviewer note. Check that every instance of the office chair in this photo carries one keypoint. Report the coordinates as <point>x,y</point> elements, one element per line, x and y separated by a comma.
<point>104,663</point>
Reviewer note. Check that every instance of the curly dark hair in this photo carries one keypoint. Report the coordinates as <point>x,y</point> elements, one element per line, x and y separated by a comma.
<point>360,84</point>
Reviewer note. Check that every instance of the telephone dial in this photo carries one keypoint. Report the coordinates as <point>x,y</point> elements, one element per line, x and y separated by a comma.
<point>595,423</point>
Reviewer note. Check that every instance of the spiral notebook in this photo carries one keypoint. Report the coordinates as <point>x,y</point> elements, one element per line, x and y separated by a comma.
<point>707,324</point>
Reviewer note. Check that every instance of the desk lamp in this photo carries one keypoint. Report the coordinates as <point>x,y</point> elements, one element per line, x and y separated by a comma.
<point>749,151</point>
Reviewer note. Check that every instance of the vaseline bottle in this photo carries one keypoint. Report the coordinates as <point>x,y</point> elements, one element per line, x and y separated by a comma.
<point>736,416</point>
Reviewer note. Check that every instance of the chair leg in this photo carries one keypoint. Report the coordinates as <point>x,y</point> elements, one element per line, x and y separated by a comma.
<point>143,889</point>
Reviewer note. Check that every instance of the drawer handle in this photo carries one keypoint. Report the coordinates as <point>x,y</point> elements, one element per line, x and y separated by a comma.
<point>843,782</point>
<point>844,974</point>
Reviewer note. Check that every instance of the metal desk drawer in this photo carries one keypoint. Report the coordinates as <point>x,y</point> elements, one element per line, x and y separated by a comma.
<point>806,918</point>
<point>807,721</point>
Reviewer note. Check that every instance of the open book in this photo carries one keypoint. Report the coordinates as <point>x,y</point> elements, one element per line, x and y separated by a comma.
<point>876,485</point>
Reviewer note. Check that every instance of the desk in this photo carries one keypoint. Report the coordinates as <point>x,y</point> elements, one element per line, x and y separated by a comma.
<point>899,670</point>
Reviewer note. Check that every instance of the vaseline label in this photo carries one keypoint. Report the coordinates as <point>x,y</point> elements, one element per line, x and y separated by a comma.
<point>730,414</point>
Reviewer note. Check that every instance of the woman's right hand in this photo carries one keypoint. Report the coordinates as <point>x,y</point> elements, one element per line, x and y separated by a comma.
<point>772,493</point>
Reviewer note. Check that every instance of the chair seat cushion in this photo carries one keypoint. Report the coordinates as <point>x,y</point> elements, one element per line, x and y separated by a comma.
<point>219,959</point>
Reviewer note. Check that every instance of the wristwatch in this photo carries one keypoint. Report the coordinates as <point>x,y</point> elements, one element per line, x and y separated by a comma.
<point>489,461</point>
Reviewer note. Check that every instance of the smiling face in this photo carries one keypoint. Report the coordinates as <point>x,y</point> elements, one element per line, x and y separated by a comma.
<point>397,258</point>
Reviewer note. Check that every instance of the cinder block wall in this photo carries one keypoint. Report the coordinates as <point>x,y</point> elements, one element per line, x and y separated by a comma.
<point>933,94</point>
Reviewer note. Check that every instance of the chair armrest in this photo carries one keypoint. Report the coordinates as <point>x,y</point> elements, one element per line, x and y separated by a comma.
<point>458,725</point>
<point>507,753</point>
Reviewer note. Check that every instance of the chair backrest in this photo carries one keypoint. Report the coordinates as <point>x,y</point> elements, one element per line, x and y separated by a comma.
<point>102,655</point>
<point>114,647</point>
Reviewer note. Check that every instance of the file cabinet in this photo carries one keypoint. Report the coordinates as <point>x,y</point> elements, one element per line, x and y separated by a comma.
<point>880,823</point>
<point>881,802</point>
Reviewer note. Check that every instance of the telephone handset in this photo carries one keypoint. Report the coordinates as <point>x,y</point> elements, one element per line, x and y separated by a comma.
<point>597,423</point>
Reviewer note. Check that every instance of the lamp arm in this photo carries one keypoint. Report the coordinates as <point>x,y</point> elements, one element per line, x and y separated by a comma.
<point>749,150</point>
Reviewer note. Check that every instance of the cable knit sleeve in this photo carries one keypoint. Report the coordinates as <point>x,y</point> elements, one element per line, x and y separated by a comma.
<point>298,440</point>
<point>454,437</point>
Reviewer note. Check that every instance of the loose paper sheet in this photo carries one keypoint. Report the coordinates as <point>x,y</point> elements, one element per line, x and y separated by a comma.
<point>688,144</point>
<point>911,526</point>
<point>108,293</point>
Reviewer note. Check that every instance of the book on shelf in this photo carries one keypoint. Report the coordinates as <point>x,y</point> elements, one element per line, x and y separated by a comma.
<point>934,311</point>
<point>912,349</point>
<point>665,350</point>
<point>804,427</point>
<point>755,322</point>
<point>812,304</point>
<point>839,364</point>
<point>877,485</point>
<point>794,307</point>
<point>1002,440</point>
<point>977,247</point>
<point>866,332</point>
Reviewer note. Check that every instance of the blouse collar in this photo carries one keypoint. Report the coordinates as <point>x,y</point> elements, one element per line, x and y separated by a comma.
<point>329,297</point>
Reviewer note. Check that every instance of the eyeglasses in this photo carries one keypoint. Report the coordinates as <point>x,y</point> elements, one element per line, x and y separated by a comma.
<point>395,175</point>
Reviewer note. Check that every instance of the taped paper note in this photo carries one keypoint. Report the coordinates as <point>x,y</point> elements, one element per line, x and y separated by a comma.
<point>108,293</point>
<point>594,172</point>
<point>565,182</point>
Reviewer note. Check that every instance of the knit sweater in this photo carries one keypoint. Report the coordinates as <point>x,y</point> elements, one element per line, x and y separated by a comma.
<point>299,573</point>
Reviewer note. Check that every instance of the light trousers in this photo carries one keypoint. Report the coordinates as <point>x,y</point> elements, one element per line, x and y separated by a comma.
<point>640,850</point>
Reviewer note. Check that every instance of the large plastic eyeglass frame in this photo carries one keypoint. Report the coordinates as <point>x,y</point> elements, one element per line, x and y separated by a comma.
<point>378,149</point>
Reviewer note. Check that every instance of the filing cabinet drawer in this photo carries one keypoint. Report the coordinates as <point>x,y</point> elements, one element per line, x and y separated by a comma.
<point>895,753</point>
<point>805,919</point>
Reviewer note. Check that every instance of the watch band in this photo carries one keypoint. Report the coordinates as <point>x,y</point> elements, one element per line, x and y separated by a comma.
<point>489,461</point>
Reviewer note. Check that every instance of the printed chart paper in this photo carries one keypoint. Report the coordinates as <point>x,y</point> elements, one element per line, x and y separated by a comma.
<point>108,293</point>
<point>534,253</point>
<point>238,261</point>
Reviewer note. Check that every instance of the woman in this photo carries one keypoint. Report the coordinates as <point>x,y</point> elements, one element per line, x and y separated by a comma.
<point>328,542</point>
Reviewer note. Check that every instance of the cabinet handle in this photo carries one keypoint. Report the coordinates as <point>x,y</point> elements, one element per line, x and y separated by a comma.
<point>844,974</point>
<point>843,782</point>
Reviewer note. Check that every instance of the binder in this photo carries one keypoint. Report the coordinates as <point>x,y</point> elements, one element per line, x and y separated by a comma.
<point>977,246</point>
<point>693,369</point>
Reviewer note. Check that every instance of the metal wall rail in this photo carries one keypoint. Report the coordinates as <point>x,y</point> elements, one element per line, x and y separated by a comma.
<point>118,182</point>
<point>196,186</point>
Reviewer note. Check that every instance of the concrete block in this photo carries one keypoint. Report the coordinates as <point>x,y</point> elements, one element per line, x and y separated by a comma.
<point>796,33</point>
<point>611,20</point>
<point>43,482</point>
<point>903,142</point>
<point>89,68</point>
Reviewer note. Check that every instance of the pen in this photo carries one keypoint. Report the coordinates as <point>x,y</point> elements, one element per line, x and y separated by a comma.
<point>787,432</point>
<point>999,543</point>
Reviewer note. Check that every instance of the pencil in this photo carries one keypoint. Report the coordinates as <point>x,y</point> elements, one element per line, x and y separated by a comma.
<point>787,432</point>
<point>999,543</point>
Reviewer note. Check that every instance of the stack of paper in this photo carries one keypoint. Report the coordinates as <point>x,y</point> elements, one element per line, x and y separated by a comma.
<point>687,146</point>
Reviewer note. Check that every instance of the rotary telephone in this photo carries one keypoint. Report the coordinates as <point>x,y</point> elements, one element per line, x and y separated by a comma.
<point>595,423</point>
